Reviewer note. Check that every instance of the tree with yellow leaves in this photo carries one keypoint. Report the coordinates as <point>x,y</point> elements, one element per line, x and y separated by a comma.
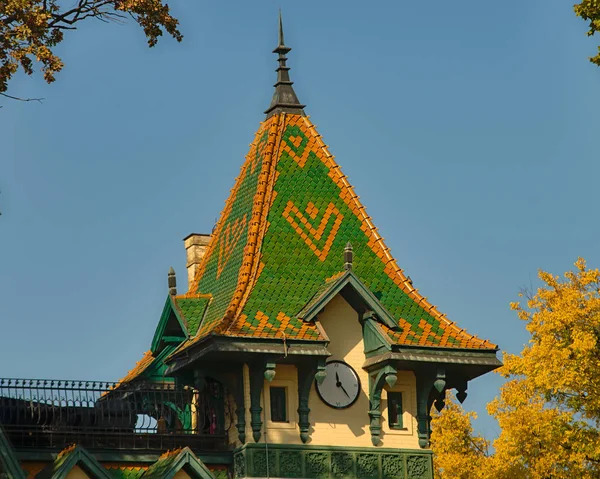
<point>549,410</point>
<point>30,29</point>
<point>459,453</point>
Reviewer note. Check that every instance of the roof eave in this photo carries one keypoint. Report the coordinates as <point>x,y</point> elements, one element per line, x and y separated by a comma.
<point>240,347</point>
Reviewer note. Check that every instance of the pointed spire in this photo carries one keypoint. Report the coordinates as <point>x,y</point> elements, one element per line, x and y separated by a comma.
<point>172,280</point>
<point>284,98</point>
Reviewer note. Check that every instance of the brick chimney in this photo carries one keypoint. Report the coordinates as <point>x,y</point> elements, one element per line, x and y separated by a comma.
<point>195,247</point>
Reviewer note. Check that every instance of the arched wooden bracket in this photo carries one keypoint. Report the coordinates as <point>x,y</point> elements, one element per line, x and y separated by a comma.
<point>307,374</point>
<point>431,388</point>
<point>377,380</point>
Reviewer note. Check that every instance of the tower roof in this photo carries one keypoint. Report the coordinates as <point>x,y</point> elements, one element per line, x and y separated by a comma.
<point>279,245</point>
<point>284,97</point>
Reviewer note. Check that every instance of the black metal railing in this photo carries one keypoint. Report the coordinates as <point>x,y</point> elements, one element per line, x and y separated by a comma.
<point>152,416</point>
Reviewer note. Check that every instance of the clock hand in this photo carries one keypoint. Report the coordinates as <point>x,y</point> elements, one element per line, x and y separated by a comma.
<point>344,391</point>
<point>337,379</point>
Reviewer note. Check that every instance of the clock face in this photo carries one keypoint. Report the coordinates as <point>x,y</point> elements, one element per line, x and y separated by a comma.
<point>341,386</point>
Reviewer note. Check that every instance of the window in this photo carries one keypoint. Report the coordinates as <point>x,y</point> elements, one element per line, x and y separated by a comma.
<point>278,404</point>
<point>395,410</point>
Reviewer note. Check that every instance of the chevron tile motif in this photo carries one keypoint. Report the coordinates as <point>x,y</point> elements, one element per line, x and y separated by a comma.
<point>230,237</point>
<point>307,231</point>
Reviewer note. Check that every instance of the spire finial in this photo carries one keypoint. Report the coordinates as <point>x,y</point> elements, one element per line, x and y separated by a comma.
<point>281,42</point>
<point>172,280</point>
<point>284,99</point>
<point>348,256</point>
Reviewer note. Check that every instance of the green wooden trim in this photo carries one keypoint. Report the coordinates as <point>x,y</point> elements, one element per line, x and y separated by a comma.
<point>257,378</point>
<point>349,278</point>
<point>172,339</point>
<point>77,457</point>
<point>307,373</point>
<point>374,340</point>
<point>280,460</point>
<point>185,460</point>
<point>8,459</point>
<point>307,447</point>
<point>245,350</point>
<point>426,377</point>
<point>387,374</point>
<point>162,324</point>
<point>156,370</point>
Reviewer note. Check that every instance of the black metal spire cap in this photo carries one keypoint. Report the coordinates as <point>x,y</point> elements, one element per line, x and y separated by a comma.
<point>284,99</point>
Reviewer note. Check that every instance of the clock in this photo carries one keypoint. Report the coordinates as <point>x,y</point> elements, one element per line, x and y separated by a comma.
<point>341,386</point>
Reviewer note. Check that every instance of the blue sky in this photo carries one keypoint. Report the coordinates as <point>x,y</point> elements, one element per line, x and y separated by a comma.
<point>468,128</point>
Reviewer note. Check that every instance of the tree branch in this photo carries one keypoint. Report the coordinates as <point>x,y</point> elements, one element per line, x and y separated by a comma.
<point>21,99</point>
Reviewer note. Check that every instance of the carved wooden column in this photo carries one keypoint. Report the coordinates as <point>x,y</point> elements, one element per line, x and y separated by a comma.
<point>377,380</point>
<point>307,373</point>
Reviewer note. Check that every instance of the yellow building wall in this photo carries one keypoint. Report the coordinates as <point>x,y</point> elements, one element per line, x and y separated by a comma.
<point>181,475</point>
<point>329,426</point>
<point>350,427</point>
<point>77,473</point>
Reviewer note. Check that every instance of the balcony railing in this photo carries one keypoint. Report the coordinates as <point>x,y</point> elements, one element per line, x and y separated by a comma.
<point>53,414</point>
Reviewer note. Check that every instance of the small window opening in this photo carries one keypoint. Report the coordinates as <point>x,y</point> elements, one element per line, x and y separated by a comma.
<point>395,410</point>
<point>278,404</point>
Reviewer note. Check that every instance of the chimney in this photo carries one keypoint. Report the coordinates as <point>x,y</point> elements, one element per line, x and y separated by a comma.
<point>195,247</point>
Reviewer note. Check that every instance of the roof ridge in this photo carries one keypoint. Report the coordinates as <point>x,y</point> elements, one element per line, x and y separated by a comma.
<point>193,296</point>
<point>193,287</point>
<point>258,226</point>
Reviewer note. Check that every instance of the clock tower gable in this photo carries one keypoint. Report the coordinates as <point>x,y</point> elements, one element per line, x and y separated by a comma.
<point>349,337</point>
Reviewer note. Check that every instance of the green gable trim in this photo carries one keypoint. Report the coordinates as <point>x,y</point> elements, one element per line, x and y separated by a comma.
<point>362,294</point>
<point>77,457</point>
<point>167,467</point>
<point>156,371</point>
<point>375,341</point>
<point>9,463</point>
<point>168,310</point>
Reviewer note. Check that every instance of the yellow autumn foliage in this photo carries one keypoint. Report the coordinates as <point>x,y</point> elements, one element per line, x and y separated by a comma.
<point>459,454</point>
<point>30,29</point>
<point>549,408</point>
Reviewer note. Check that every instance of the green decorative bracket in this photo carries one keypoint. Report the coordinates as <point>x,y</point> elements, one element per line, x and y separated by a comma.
<point>461,388</point>
<point>431,388</point>
<point>257,378</point>
<point>307,374</point>
<point>269,371</point>
<point>386,375</point>
<point>240,405</point>
<point>321,372</point>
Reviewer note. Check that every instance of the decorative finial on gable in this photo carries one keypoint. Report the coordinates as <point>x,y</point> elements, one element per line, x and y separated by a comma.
<point>284,99</point>
<point>172,282</point>
<point>348,256</point>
